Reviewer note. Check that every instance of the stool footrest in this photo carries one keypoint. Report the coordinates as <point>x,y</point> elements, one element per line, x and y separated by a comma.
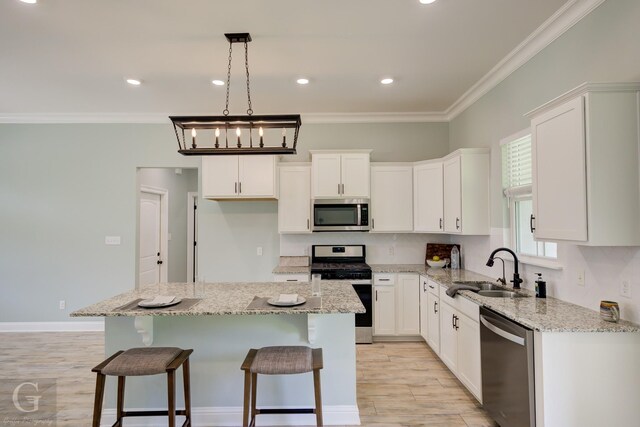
<point>286,411</point>
<point>151,413</point>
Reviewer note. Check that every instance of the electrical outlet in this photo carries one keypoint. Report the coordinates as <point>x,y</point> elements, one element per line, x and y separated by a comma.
<point>259,251</point>
<point>580,278</point>
<point>625,289</point>
<point>392,250</point>
<point>112,240</point>
<point>62,304</point>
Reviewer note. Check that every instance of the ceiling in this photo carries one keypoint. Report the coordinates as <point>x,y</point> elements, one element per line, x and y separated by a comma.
<point>72,56</point>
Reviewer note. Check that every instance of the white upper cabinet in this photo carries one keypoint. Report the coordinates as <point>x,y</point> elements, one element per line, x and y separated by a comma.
<point>294,202</point>
<point>466,191</point>
<point>391,198</point>
<point>428,197</point>
<point>238,177</point>
<point>585,166</point>
<point>340,174</point>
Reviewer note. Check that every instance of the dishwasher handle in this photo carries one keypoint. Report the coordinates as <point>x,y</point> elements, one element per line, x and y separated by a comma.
<point>504,334</point>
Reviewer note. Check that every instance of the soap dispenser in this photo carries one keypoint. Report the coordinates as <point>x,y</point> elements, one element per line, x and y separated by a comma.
<point>541,287</point>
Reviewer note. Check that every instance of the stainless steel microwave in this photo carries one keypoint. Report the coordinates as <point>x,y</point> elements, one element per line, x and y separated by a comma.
<point>341,215</point>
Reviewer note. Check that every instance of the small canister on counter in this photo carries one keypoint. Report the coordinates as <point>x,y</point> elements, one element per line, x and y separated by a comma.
<point>541,287</point>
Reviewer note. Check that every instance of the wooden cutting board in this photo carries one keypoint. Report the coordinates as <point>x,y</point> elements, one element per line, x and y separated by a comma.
<point>443,250</point>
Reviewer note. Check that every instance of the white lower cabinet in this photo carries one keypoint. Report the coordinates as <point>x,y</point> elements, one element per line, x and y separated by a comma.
<point>460,340</point>
<point>384,310</point>
<point>433,317</point>
<point>303,277</point>
<point>396,304</point>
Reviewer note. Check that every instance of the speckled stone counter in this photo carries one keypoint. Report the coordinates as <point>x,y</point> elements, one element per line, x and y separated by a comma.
<point>229,298</point>
<point>540,314</point>
<point>286,269</point>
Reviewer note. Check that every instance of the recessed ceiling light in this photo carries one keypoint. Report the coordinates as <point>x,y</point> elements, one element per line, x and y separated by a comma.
<point>29,1</point>
<point>302,81</point>
<point>134,82</point>
<point>386,81</point>
<point>427,1</point>
<point>217,82</point>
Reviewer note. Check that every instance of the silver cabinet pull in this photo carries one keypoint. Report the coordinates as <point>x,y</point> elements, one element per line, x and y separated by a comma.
<point>376,295</point>
<point>440,223</point>
<point>531,219</point>
<point>338,188</point>
<point>457,223</point>
<point>373,223</point>
<point>383,280</point>
<point>343,189</point>
<point>424,286</point>
<point>435,307</point>
<point>307,223</point>
<point>235,189</point>
<point>240,187</point>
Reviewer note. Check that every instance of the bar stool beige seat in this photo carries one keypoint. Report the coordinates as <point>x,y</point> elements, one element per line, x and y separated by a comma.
<point>139,362</point>
<point>282,360</point>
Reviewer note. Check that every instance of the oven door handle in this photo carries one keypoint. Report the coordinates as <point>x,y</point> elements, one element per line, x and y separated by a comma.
<point>504,334</point>
<point>361,282</point>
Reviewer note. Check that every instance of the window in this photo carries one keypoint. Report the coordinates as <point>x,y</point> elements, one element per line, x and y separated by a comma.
<point>516,183</point>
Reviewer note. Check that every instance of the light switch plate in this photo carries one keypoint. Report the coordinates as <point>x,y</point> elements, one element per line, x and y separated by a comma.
<point>112,240</point>
<point>580,278</point>
<point>259,251</point>
<point>625,288</point>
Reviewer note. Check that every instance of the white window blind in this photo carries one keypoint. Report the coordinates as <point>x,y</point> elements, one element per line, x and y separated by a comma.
<point>516,166</point>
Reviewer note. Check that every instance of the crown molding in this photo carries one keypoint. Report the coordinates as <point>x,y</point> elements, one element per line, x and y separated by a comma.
<point>374,117</point>
<point>45,118</point>
<point>561,21</point>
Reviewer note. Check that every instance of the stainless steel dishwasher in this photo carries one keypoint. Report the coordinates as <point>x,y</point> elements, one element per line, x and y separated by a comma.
<point>507,370</point>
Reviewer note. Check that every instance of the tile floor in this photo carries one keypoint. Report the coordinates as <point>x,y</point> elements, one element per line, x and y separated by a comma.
<point>399,384</point>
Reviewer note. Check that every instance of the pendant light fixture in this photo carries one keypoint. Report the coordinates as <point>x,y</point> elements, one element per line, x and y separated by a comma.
<point>214,135</point>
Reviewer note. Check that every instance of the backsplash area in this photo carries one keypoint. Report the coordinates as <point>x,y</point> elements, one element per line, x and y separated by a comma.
<point>381,248</point>
<point>604,270</point>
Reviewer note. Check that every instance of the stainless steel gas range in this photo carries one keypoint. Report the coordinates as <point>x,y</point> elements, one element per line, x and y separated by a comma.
<point>347,262</point>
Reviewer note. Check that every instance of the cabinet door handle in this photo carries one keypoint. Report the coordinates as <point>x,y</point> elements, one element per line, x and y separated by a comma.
<point>291,280</point>
<point>424,286</point>
<point>235,189</point>
<point>373,223</point>
<point>435,307</point>
<point>307,223</point>
<point>383,280</point>
<point>240,187</point>
<point>440,223</point>
<point>531,218</point>
<point>456,323</point>
<point>376,295</point>
<point>339,189</point>
<point>453,321</point>
<point>457,223</point>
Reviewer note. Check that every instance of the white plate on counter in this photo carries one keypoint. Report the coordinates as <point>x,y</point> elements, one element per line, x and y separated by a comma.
<point>150,304</point>
<point>277,303</point>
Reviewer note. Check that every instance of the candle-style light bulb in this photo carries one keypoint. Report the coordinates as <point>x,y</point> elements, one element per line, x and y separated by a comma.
<point>217,135</point>
<point>238,133</point>
<point>284,137</point>
<point>193,138</point>
<point>261,132</point>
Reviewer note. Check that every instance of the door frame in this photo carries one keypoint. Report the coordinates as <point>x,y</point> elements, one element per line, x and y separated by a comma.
<point>192,235</point>
<point>164,229</point>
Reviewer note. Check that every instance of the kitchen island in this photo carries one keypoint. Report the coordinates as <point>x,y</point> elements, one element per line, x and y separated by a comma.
<point>221,329</point>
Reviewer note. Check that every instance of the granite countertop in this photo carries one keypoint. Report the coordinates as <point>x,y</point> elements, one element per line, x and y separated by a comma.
<point>540,314</point>
<point>229,298</point>
<point>287,269</point>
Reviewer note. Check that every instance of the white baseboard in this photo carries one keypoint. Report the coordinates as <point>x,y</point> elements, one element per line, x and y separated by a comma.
<point>232,416</point>
<point>91,326</point>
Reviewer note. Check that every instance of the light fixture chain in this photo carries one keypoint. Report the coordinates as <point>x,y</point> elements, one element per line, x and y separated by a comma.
<point>226,109</point>
<point>246,65</point>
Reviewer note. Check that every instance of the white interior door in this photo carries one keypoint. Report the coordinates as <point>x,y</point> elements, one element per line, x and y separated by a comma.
<point>150,238</point>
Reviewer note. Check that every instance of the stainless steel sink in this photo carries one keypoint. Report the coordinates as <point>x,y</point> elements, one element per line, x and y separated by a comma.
<point>500,294</point>
<point>483,286</point>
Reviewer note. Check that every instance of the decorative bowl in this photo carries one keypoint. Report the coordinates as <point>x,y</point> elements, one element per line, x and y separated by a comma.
<point>436,264</point>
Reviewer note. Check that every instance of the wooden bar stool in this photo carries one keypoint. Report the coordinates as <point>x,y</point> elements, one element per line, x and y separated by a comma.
<point>140,362</point>
<point>283,360</point>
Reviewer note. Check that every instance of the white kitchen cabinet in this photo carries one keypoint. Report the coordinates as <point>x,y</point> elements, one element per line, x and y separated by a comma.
<point>294,202</point>
<point>384,310</point>
<point>466,191</point>
<point>340,174</point>
<point>428,197</point>
<point>291,277</point>
<point>408,304</point>
<point>585,166</point>
<point>239,177</point>
<point>391,198</point>
<point>433,317</point>
<point>424,308</point>
<point>460,340</point>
